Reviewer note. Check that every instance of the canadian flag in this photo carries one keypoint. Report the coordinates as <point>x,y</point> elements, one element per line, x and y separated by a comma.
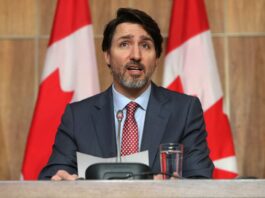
<point>190,67</point>
<point>70,74</point>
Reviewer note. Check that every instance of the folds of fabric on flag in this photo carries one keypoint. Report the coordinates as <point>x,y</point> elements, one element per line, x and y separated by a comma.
<point>190,67</point>
<point>70,74</point>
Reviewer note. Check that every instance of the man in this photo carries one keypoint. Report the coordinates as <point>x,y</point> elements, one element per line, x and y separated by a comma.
<point>132,45</point>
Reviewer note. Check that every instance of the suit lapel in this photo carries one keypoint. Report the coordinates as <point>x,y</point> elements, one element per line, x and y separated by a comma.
<point>103,118</point>
<point>156,119</point>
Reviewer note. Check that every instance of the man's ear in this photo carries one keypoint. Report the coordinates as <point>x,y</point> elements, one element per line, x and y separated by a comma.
<point>157,59</point>
<point>107,58</point>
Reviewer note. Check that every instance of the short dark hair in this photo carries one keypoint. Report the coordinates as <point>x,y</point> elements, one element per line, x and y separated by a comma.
<point>133,16</point>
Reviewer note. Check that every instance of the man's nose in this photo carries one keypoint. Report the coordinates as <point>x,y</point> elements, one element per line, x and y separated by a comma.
<point>136,53</point>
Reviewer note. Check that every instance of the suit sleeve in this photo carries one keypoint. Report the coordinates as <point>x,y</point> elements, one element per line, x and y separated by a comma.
<point>63,155</point>
<point>196,162</point>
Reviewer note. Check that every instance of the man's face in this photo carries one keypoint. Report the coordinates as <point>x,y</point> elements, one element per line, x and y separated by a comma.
<point>132,57</point>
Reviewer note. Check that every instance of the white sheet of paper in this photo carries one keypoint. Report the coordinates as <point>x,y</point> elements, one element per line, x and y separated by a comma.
<point>85,160</point>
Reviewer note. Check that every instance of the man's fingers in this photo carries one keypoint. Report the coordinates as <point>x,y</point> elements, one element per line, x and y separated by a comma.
<point>158,177</point>
<point>56,178</point>
<point>74,177</point>
<point>64,175</point>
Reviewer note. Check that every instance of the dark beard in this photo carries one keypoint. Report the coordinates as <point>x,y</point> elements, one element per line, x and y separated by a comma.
<point>132,83</point>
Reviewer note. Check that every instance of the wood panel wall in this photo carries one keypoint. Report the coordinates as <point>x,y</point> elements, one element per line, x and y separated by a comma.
<point>238,28</point>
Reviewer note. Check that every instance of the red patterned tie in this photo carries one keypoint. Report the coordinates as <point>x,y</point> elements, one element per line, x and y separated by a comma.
<point>130,131</point>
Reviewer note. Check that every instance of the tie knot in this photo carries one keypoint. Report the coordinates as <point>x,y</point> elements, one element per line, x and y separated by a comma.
<point>131,107</point>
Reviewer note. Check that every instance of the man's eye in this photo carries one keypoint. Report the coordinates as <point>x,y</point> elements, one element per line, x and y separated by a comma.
<point>123,44</point>
<point>146,45</point>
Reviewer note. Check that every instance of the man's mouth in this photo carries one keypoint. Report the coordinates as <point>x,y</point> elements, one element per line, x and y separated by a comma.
<point>135,70</point>
<point>138,68</point>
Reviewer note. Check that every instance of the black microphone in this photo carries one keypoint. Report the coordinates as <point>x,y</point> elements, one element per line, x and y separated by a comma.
<point>119,116</point>
<point>118,170</point>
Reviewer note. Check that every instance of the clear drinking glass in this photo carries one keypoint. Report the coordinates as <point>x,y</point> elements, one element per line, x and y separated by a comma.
<point>171,159</point>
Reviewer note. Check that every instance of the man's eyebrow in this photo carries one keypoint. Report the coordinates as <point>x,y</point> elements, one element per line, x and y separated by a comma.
<point>146,38</point>
<point>129,36</point>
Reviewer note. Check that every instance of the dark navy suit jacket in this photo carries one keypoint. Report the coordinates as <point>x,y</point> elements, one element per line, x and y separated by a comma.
<point>88,126</point>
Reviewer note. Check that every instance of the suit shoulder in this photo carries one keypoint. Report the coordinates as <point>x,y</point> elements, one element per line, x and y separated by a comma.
<point>178,98</point>
<point>175,95</point>
<point>91,101</point>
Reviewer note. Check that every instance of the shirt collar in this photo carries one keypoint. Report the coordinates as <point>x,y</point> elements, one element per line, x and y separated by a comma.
<point>120,101</point>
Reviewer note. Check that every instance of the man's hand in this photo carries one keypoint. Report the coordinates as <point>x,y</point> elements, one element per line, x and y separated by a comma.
<point>161,177</point>
<point>63,175</point>
<point>158,177</point>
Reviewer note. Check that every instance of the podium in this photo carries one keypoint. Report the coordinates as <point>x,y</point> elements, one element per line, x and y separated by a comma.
<point>134,188</point>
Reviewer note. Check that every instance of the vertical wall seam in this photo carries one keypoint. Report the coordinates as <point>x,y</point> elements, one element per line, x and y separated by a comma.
<point>37,45</point>
<point>226,63</point>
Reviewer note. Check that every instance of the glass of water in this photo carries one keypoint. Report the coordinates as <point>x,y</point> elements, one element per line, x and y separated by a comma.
<point>171,157</point>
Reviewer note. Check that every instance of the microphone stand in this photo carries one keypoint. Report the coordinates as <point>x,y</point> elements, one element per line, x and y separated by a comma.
<point>119,117</point>
<point>118,170</point>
